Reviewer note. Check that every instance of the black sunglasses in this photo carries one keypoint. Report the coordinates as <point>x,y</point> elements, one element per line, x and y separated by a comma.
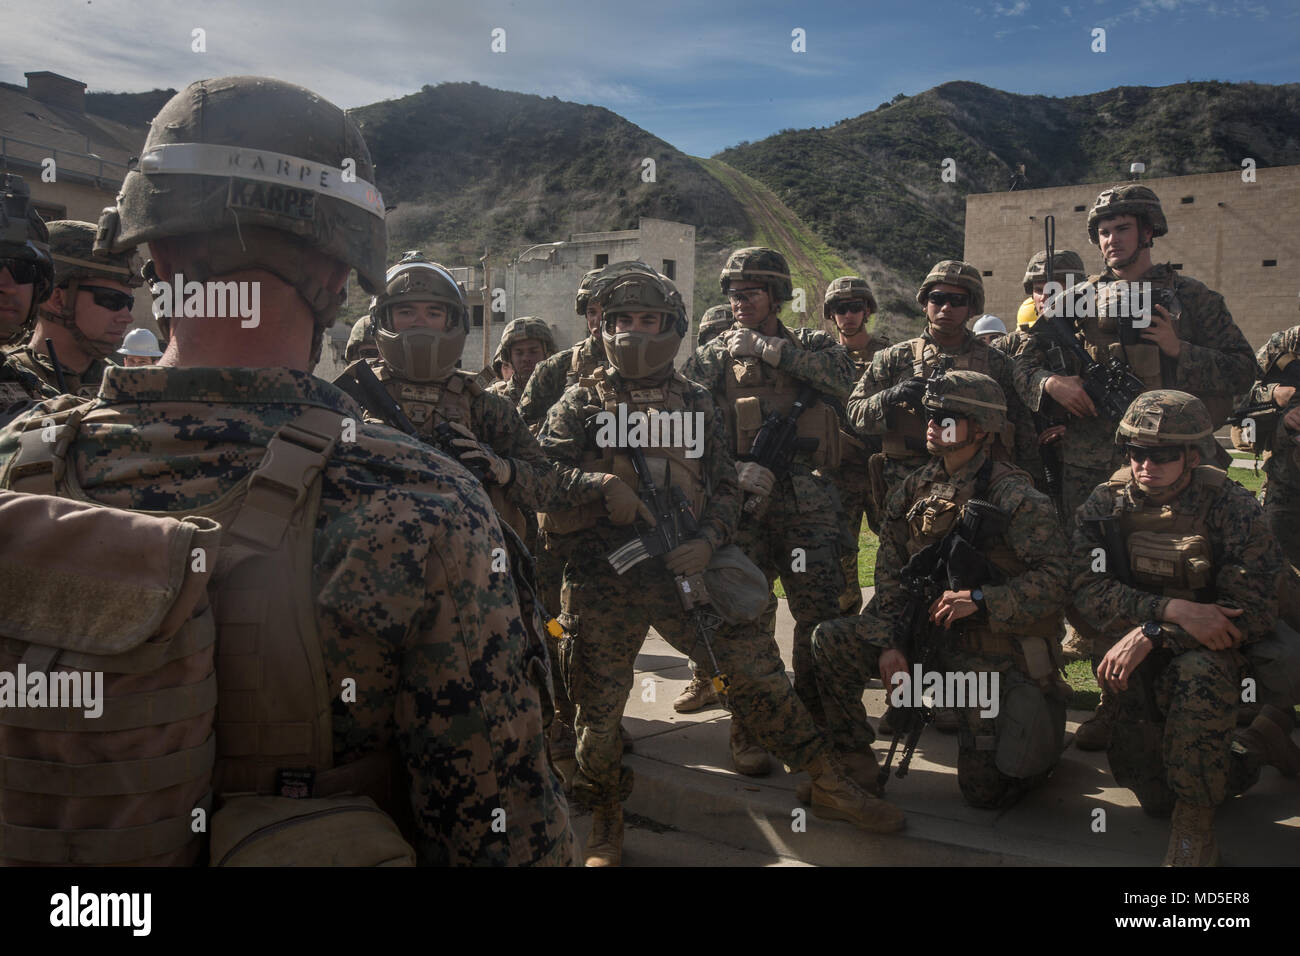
<point>954,299</point>
<point>1161,456</point>
<point>844,308</point>
<point>23,270</point>
<point>110,299</point>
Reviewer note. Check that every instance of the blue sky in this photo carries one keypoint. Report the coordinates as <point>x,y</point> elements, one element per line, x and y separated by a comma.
<point>701,76</point>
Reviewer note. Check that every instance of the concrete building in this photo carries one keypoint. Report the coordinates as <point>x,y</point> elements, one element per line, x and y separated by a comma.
<point>1239,238</point>
<point>543,279</point>
<point>73,161</point>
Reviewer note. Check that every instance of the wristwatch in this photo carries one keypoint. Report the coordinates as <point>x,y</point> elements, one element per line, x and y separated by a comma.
<point>977,595</point>
<point>1154,632</point>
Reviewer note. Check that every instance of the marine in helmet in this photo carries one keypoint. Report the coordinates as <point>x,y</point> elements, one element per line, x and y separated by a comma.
<point>1005,626</point>
<point>420,321</point>
<point>525,342</point>
<point>139,348</point>
<point>553,375</point>
<point>1276,434</point>
<point>850,305</point>
<point>757,369</point>
<point>383,567</point>
<point>608,615</point>
<point>715,320</point>
<point>545,386</point>
<point>1191,343</point>
<point>886,401</point>
<point>361,341</point>
<point>1188,585</point>
<point>26,280</point>
<point>87,314</point>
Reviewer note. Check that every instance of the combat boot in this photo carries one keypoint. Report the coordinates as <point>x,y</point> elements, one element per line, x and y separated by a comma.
<point>862,766</point>
<point>747,757</point>
<point>699,693</point>
<point>1269,738</point>
<point>837,796</point>
<point>1191,839</point>
<point>1094,733</point>
<point>605,844</point>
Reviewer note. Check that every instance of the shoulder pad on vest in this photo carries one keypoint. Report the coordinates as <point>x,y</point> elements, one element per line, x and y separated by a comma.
<point>1122,476</point>
<point>1211,475</point>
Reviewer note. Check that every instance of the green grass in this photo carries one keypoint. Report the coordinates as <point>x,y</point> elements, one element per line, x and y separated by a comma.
<point>1078,674</point>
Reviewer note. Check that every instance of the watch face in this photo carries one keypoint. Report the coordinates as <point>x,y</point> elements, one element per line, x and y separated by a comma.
<point>1152,630</point>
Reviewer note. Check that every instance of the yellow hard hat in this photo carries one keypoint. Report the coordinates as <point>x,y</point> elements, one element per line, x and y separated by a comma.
<point>1027,315</point>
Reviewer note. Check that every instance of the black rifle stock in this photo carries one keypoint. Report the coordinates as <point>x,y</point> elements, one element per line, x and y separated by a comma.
<point>674,524</point>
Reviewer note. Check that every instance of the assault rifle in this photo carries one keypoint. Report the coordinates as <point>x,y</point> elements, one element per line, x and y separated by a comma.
<point>953,563</point>
<point>1284,370</point>
<point>1111,386</point>
<point>359,381</point>
<point>777,442</point>
<point>674,524</point>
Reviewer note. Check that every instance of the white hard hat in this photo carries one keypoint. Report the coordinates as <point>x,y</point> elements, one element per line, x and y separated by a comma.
<point>140,342</point>
<point>988,323</point>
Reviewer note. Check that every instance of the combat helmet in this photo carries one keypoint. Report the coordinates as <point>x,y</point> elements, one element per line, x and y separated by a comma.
<point>715,320</point>
<point>24,236</point>
<point>140,342</point>
<point>846,289</point>
<point>361,341</point>
<point>958,273</point>
<point>759,264</point>
<point>420,354</point>
<point>1127,199</point>
<point>637,355</point>
<point>1166,416</point>
<point>1064,263</point>
<point>972,395</point>
<point>226,156</point>
<point>584,290</point>
<point>517,330</point>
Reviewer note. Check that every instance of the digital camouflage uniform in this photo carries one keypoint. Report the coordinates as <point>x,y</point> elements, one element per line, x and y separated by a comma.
<point>1171,737</point>
<point>38,365</point>
<point>608,615</point>
<point>850,477</point>
<point>508,389</point>
<point>1282,463</point>
<point>1001,757</point>
<point>802,518</point>
<point>406,597</point>
<point>1216,362</point>
<point>555,374</point>
<point>24,236</point>
<point>407,603</point>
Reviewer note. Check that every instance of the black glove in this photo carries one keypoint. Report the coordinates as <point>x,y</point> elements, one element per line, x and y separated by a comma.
<point>907,393</point>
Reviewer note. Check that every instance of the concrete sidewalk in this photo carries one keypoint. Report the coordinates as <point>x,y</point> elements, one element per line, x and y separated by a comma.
<point>1080,818</point>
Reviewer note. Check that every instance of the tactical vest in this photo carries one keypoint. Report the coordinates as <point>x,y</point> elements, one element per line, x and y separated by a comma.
<point>428,404</point>
<point>686,473</point>
<point>1170,553</point>
<point>909,426</point>
<point>753,390</point>
<point>581,367</point>
<point>1102,341</point>
<point>933,515</point>
<point>273,727</point>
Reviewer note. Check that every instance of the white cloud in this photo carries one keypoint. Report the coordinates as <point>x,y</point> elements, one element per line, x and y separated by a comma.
<point>1015,10</point>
